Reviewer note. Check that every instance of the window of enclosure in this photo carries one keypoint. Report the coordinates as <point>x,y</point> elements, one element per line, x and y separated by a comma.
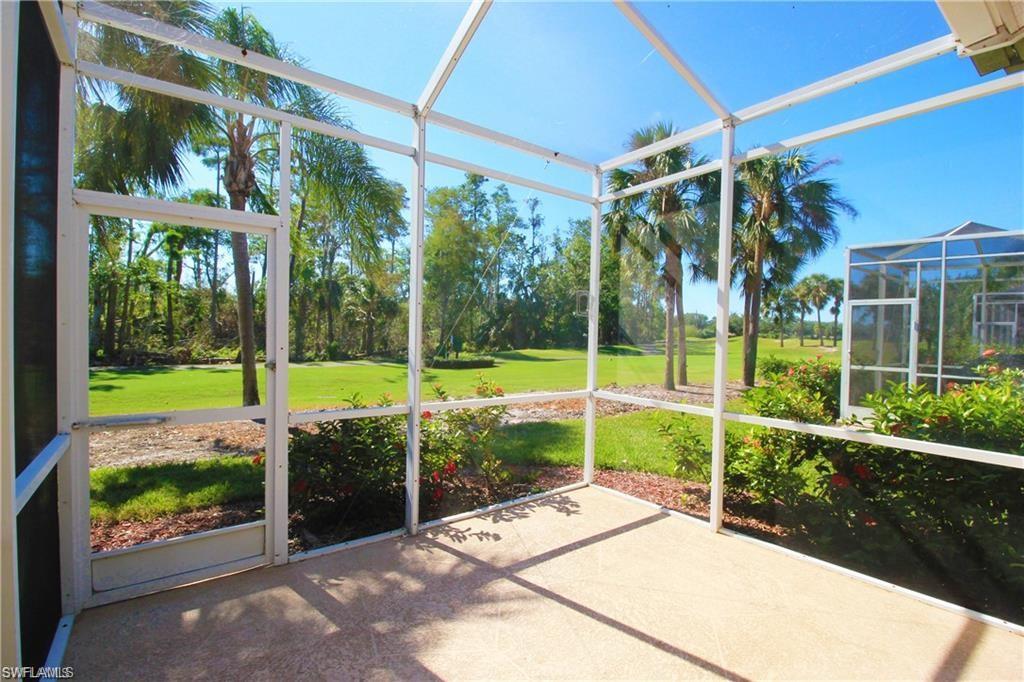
<point>659,250</point>
<point>346,480</point>
<point>481,456</point>
<point>503,267</point>
<point>177,317</point>
<point>161,482</point>
<point>657,455</point>
<point>349,274</point>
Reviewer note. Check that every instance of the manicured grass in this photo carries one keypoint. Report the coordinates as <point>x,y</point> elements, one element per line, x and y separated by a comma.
<point>320,385</point>
<point>146,492</point>
<point>628,441</point>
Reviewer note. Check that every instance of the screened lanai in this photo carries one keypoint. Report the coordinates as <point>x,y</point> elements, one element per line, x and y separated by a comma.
<point>528,340</point>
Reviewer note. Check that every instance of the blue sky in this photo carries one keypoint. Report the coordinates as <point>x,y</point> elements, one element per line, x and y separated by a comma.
<point>578,77</point>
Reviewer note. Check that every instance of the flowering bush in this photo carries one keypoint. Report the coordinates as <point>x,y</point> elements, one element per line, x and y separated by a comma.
<point>454,442</point>
<point>347,477</point>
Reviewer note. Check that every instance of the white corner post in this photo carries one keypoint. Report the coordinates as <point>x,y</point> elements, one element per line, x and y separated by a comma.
<point>593,317</point>
<point>72,352</point>
<point>277,362</point>
<point>10,644</point>
<point>724,283</point>
<point>412,438</point>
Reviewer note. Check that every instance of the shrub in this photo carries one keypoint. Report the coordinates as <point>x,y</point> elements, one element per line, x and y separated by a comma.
<point>805,391</point>
<point>347,476</point>
<point>458,443</point>
<point>692,455</point>
<point>464,362</point>
<point>944,525</point>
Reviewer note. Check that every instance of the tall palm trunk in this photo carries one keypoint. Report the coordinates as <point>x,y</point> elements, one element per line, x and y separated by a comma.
<point>239,181</point>
<point>110,324</point>
<point>682,379</point>
<point>752,317</point>
<point>835,328</point>
<point>670,327</point>
<point>782,332</point>
<point>802,313</point>
<point>821,330</point>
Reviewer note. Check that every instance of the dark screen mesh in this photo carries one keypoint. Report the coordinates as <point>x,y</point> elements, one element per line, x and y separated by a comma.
<point>35,330</point>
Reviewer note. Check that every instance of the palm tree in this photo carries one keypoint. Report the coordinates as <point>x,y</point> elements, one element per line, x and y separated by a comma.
<point>788,208</point>
<point>664,219</point>
<point>780,303</point>
<point>802,297</point>
<point>836,288</point>
<point>819,295</point>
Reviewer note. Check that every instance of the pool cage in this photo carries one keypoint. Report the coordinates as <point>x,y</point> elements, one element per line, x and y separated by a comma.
<point>926,311</point>
<point>890,289</point>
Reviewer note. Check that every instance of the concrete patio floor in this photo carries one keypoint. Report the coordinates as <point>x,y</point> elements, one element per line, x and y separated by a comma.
<point>583,585</point>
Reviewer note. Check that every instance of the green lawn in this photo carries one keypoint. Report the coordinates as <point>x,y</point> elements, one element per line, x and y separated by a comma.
<point>147,492</point>
<point>629,441</point>
<point>320,385</point>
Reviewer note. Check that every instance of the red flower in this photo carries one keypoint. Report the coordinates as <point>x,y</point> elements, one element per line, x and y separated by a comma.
<point>862,472</point>
<point>449,468</point>
<point>868,520</point>
<point>950,385</point>
<point>790,372</point>
<point>994,369</point>
<point>498,390</point>
<point>436,477</point>
<point>437,494</point>
<point>258,459</point>
<point>989,352</point>
<point>897,428</point>
<point>427,415</point>
<point>840,481</point>
<point>473,437</point>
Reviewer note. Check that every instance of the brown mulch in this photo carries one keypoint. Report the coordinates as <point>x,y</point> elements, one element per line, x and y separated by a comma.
<point>118,534</point>
<point>687,497</point>
<point>672,493</point>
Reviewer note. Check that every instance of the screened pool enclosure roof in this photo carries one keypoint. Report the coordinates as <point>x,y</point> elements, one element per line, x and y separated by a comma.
<point>96,578</point>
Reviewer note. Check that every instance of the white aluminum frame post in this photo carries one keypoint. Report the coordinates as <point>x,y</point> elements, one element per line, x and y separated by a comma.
<point>724,285</point>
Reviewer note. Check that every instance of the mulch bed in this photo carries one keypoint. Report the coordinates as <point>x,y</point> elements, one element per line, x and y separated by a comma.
<point>118,534</point>
<point>672,493</point>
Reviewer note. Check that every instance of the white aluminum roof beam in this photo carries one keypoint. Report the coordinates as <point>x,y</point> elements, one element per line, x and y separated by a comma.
<point>677,63</point>
<point>459,42</point>
<point>694,172</point>
<point>183,38</point>
<point>460,126</point>
<point>680,138</point>
<point>54,20</point>
<point>467,167</point>
<point>132,80</point>
<point>865,72</point>
<point>993,87</point>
